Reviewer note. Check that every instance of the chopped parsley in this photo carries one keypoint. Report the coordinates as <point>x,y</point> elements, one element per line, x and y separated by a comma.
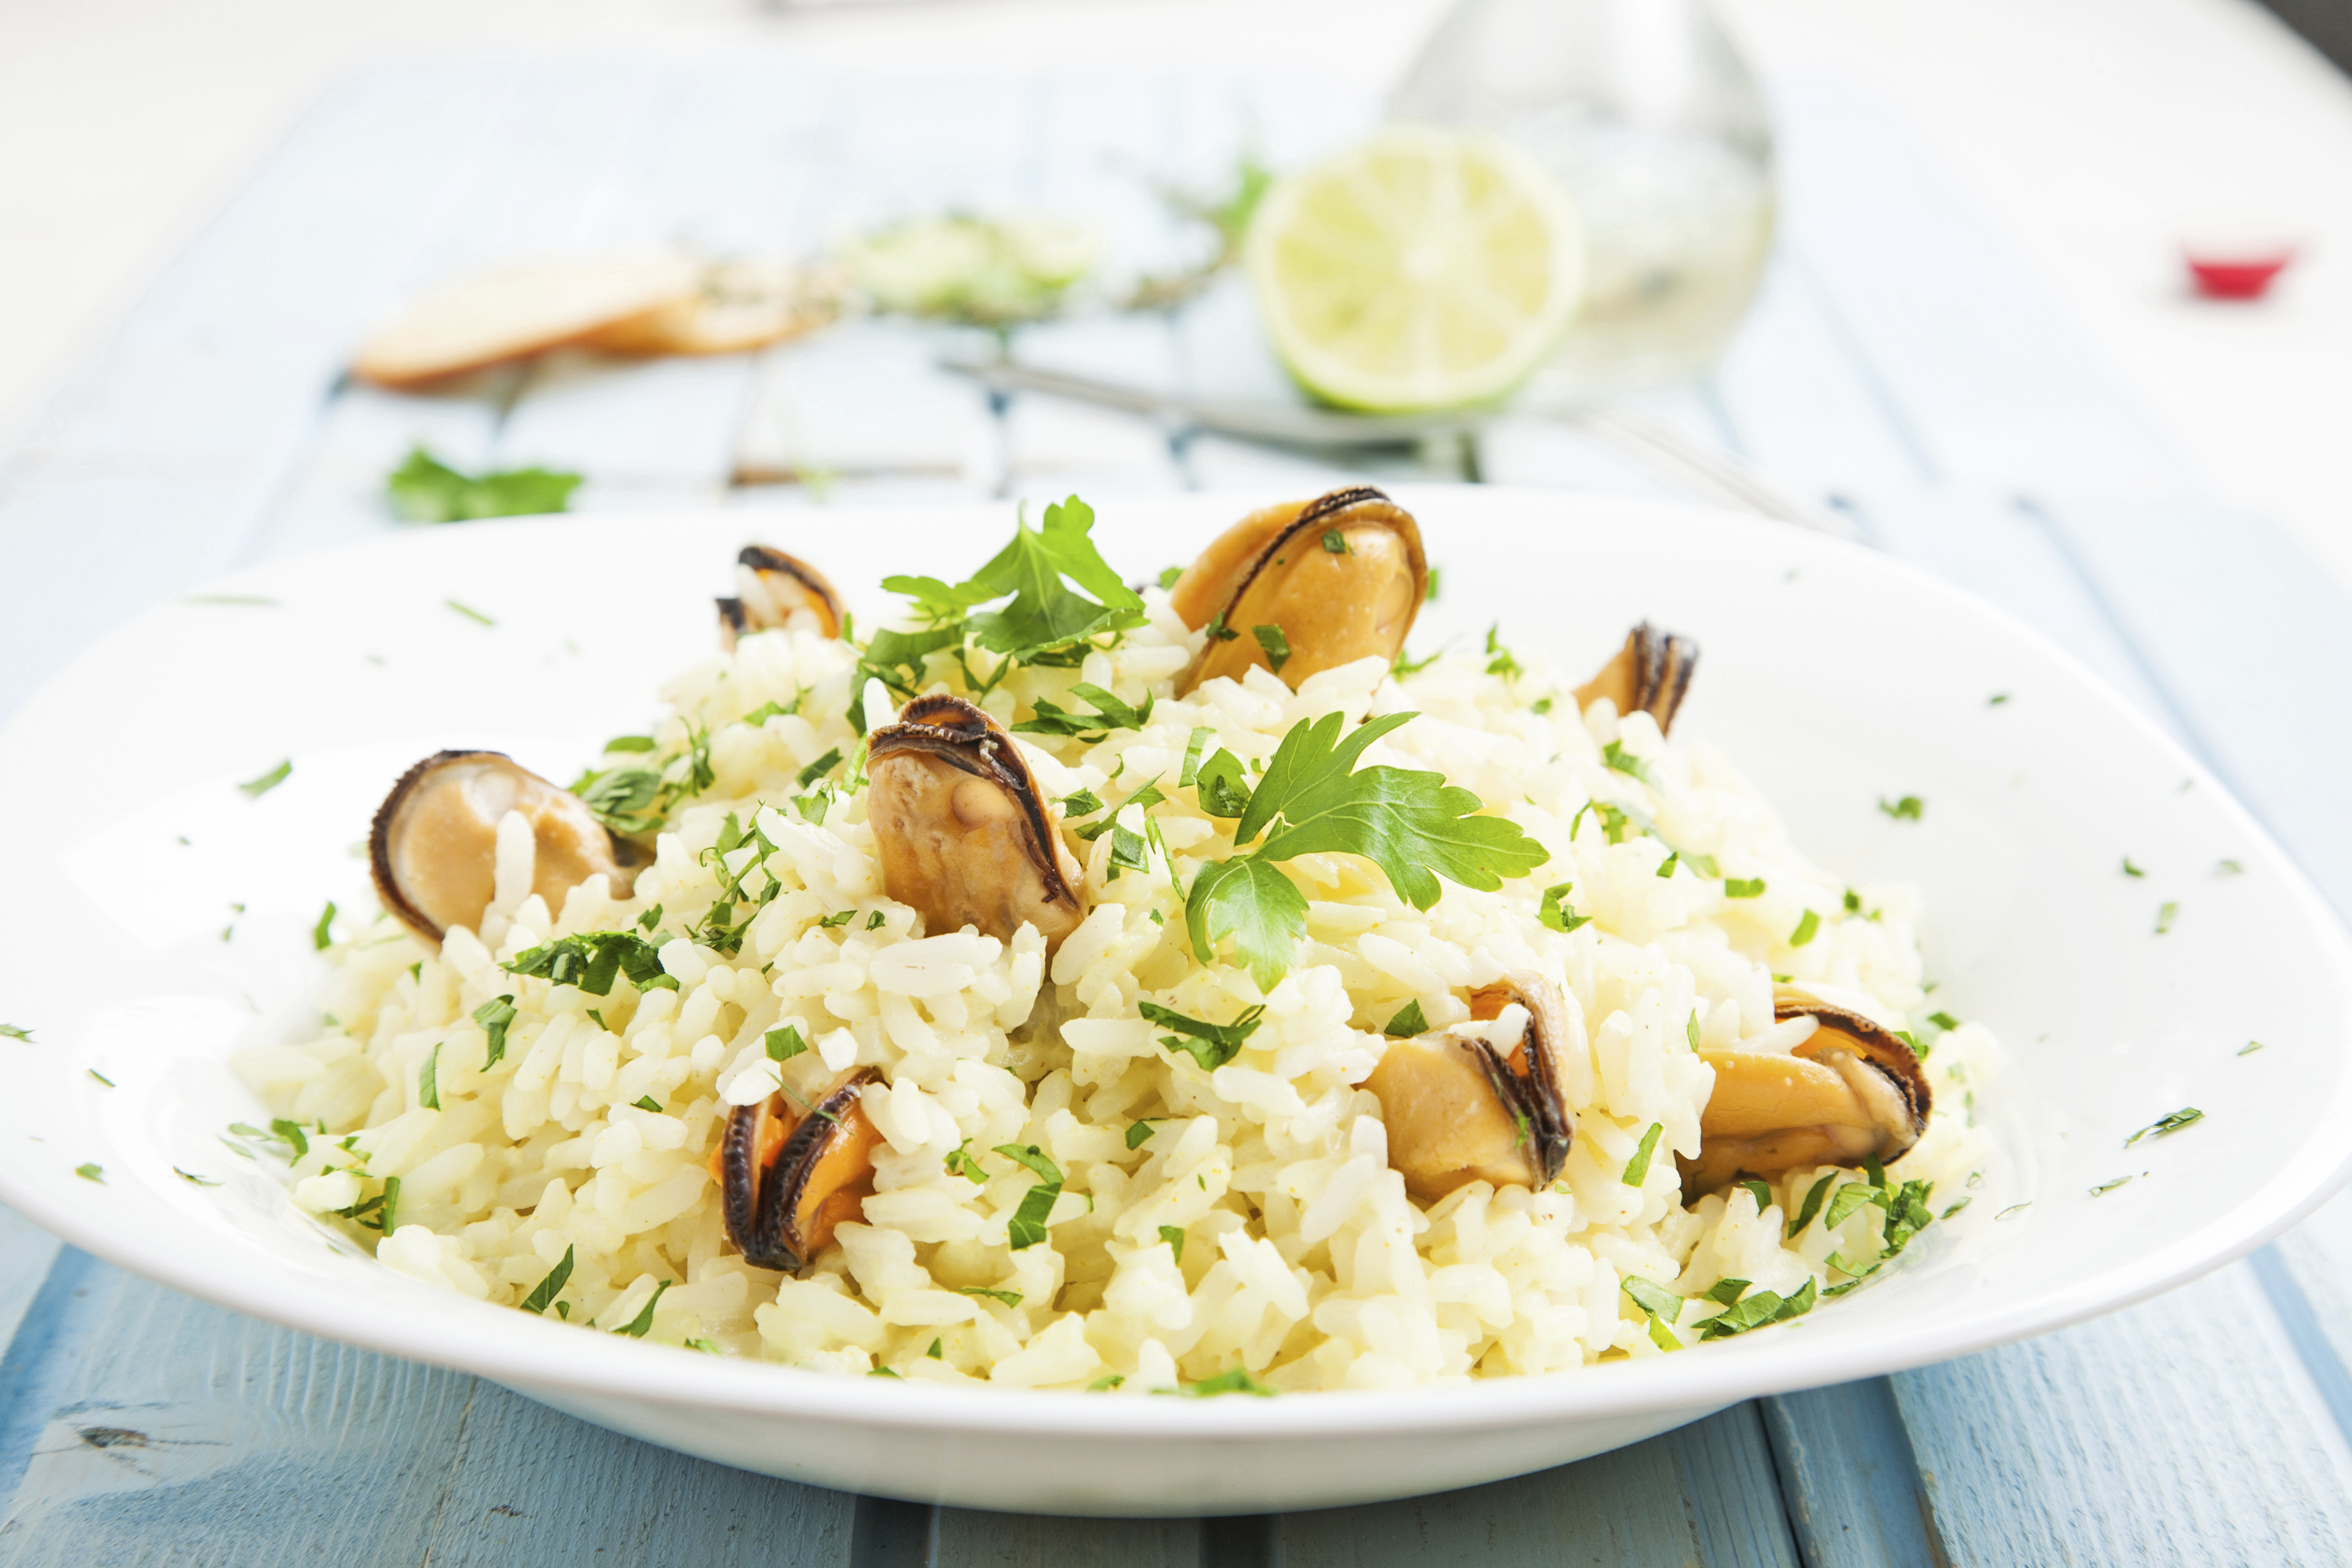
<point>1811,1206</point>
<point>2166,914</point>
<point>1996,699</point>
<point>91,1173</point>
<point>1553,909</point>
<point>960,1162</point>
<point>818,769</point>
<point>193,1179</point>
<point>1009,1298</point>
<point>874,920</point>
<point>1755,1310</point>
<point>101,1078</point>
<point>1404,667</point>
<point>1026,1228</point>
<point>1173,1235</point>
<point>1653,1298</point>
<point>1746,887</point>
<point>1336,542</point>
<point>1102,1383</point>
<point>647,1102</point>
<point>1275,645</point>
<point>1109,714</point>
<point>1237,1380</point>
<point>591,960</point>
<point>1499,660</point>
<point>641,742</point>
<point>1805,929</point>
<point>1223,786</point>
<point>388,1221</point>
<point>1190,773</point>
<point>428,1079</point>
<point>1138,1133</point>
<point>1414,825</point>
<point>2130,869</point>
<point>1617,759</point>
<point>838,918</point>
<point>1667,867</point>
<point>1944,1021</point>
<point>1169,576</point>
<point>256,788</point>
<point>1211,1045</point>
<point>2227,868</point>
<point>15,1032</point>
<point>425,490</point>
<point>496,1016</point>
<point>2164,1127</point>
<point>2250,1048</point>
<point>1086,803</point>
<point>319,940</point>
<point>938,1350</point>
<point>637,1326</point>
<point>1907,809</point>
<point>544,1294</point>
<point>1637,1169</point>
<point>2104,1187</point>
<point>885,1371</point>
<point>470,612</point>
<point>1429,595</point>
<point>1408,1021</point>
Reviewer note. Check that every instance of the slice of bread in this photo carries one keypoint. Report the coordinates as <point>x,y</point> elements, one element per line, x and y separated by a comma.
<point>521,309</point>
<point>741,305</point>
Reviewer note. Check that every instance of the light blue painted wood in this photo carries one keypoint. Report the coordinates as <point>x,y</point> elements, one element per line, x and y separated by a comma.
<point>180,1433</point>
<point>964,1539</point>
<point>1702,1494</point>
<point>2180,1431</point>
<point>1853,1487</point>
<point>26,1251</point>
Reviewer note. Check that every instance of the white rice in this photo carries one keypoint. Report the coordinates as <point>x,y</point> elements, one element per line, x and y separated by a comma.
<point>1304,1263</point>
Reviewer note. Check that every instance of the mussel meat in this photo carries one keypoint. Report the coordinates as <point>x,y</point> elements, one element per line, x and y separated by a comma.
<point>771,588</point>
<point>1332,581</point>
<point>1852,1090</point>
<point>1474,1103</point>
<point>1652,673</point>
<point>786,1178</point>
<point>433,845</point>
<point>961,827</point>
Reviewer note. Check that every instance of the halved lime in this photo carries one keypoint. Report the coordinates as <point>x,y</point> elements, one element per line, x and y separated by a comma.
<point>1422,269</point>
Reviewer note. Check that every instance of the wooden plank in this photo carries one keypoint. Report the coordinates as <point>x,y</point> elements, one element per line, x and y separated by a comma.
<point>1852,1488</point>
<point>26,1252</point>
<point>1700,1495</point>
<point>184,1433</point>
<point>2181,1431</point>
<point>966,1539</point>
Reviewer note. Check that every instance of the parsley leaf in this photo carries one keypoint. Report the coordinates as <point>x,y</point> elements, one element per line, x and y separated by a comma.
<point>1755,1310</point>
<point>1907,809</point>
<point>1086,803</point>
<point>591,960</point>
<point>428,1081</point>
<point>961,1162</point>
<point>1336,542</point>
<point>1811,1206</point>
<point>1652,1298</point>
<point>1211,1045</point>
<point>1190,772</point>
<point>548,1288</point>
<point>1617,759</point>
<point>1173,1236</point>
<point>1109,714</point>
<point>1736,887</point>
<point>818,769</point>
<point>637,1326</point>
<point>424,490</point>
<point>1237,1380</point>
<point>1044,612</point>
<point>1805,929</point>
<point>1009,1298</point>
<point>1637,1169</point>
<point>256,788</point>
<point>2165,1126</point>
<point>1553,909</point>
<point>495,1017</point>
<point>1410,1021</point>
<point>91,1173</point>
<point>1276,646</point>
<point>1414,825</point>
<point>1140,1133</point>
<point>2164,916</point>
<point>15,1032</point>
<point>319,940</point>
<point>1223,784</point>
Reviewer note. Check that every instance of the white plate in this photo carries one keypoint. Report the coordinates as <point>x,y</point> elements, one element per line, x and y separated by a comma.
<point>1832,675</point>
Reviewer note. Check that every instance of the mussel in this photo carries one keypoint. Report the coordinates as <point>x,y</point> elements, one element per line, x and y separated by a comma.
<point>1853,1089</point>
<point>1462,1106</point>
<point>788,1178</point>
<point>961,827</point>
<point>771,588</point>
<point>1652,673</point>
<point>1331,580</point>
<point>433,845</point>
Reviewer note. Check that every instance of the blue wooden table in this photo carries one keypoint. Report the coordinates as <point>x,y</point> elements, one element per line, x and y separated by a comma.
<point>1900,369</point>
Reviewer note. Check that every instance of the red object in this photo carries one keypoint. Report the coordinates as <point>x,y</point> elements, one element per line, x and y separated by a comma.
<point>2237,276</point>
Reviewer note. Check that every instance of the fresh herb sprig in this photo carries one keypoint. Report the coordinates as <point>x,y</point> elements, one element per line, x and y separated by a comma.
<point>1314,799</point>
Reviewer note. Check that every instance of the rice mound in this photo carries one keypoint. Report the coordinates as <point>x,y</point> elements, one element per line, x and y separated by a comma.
<point>1258,1226</point>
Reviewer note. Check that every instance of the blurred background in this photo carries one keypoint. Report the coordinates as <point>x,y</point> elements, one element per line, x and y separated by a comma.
<point>2091,146</point>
